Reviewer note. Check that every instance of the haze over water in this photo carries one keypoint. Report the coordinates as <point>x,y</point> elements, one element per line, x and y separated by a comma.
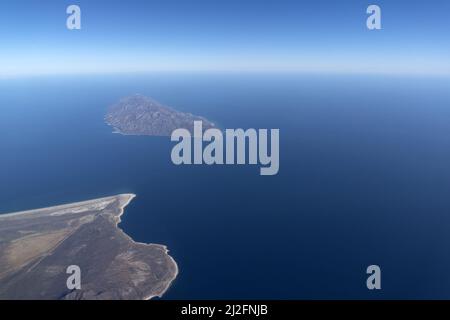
<point>364,178</point>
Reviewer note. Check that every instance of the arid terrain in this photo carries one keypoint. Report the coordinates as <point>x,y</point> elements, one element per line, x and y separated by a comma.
<point>140,115</point>
<point>37,246</point>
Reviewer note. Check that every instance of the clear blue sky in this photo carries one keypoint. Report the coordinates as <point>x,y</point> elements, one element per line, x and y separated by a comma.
<point>219,35</point>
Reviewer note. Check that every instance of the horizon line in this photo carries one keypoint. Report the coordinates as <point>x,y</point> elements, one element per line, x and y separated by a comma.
<point>417,73</point>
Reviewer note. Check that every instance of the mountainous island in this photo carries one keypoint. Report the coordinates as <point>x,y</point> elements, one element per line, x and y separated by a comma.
<point>140,115</point>
<point>37,247</point>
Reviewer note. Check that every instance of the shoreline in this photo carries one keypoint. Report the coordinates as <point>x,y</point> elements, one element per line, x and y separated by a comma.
<point>124,200</point>
<point>131,196</point>
<point>56,207</point>
<point>119,132</point>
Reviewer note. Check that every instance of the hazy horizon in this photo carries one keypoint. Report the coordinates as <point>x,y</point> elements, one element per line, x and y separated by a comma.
<point>289,36</point>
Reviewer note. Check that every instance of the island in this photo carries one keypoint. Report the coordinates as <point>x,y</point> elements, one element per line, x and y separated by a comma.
<point>141,115</point>
<point>38,246</point>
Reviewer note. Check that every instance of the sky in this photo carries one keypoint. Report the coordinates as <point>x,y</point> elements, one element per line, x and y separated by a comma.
<point>326,36</point>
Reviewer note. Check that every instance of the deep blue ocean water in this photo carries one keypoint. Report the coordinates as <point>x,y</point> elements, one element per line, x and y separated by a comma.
<point>364,179</point>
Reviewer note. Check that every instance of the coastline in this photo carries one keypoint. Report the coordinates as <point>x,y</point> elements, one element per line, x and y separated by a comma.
<point>131,196</point>
<point>115,219</point>
<point>57,207</point>
<point>119,132</point>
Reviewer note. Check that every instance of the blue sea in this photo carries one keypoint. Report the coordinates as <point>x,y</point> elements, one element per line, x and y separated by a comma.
<point>364,179</point>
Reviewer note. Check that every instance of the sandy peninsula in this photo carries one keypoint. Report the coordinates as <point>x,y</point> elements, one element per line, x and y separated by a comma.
<point>37,246</point>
